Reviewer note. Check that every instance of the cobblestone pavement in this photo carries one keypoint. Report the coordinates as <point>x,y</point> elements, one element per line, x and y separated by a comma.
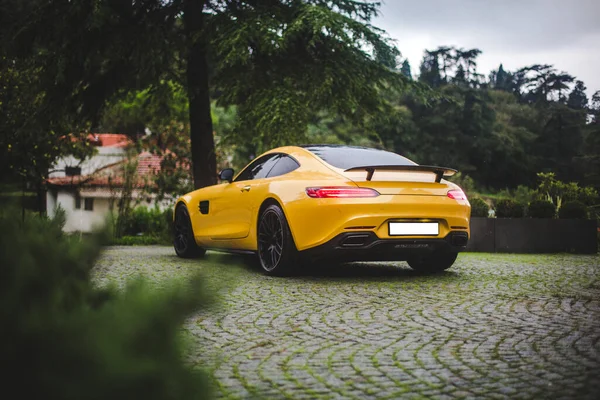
<point>493,326</point>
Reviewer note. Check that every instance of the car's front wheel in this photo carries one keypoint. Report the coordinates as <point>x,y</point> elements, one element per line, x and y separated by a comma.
<point>276,249</point>
<point>436,262</point>
<point>183,240</point>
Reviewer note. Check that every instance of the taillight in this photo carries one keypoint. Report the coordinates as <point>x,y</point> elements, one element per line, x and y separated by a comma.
<point>337,192</point>
<point>457,194</point>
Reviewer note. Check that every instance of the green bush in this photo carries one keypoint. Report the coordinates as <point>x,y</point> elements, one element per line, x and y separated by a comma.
<point>479,208</point>
<point>65,338</point>
<point>507,208</point>
<point>148,222</point>
<point>554,189</point>
<point>465,182</point>
<point>574,210</point>
<point>541,209</point>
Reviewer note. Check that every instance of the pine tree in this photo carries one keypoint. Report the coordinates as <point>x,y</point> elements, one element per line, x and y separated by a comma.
<point>502,79</point>
<point>406,69</point>
<point>460,76</point>
<point>577,98</point>
<point>430,70</point>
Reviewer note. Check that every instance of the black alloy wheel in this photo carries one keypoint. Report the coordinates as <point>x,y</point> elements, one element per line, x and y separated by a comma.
<point>276,249</point>
<point>183,240</point>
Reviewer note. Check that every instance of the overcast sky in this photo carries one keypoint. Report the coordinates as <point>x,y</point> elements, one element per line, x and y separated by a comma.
<point>516,33</point>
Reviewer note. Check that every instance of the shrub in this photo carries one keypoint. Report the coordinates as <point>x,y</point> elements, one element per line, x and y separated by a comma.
<point>68,339</point>
<point>149,222</point>
<point>554,189</point>
<point>522,194</point>
<point>465,182</point>
<point>573,209</point>
<point>507,208</point>
<point>541,209</point>
<point>479,208</point>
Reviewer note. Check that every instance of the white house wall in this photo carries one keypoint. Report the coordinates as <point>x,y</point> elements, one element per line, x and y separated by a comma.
<point>81,220</point>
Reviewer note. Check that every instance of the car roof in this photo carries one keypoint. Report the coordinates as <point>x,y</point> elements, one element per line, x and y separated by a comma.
<point>326,146</point>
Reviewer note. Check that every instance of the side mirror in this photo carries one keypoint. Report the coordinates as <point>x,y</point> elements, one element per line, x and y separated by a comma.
<point>226,175</point>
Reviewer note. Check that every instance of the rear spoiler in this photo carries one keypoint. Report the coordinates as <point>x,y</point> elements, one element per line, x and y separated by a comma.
<point>439,172</point>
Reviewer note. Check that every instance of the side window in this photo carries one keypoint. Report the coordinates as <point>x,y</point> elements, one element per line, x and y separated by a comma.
<point>88,204</point>
<point>259,168</point>
<point>285,164</point>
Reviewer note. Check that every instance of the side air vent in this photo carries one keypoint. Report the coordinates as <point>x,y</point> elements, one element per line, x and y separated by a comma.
<point>203,207</point>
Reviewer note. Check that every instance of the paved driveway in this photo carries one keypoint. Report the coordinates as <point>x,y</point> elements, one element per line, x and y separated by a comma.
<point>493,326</point>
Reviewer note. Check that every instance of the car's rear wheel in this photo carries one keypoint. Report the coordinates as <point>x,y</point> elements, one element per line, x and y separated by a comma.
<point>276,249</point>
<point>183,240</point>
<point>435,262</point>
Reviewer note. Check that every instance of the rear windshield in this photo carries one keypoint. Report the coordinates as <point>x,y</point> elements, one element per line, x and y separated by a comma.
<point>345,157</point>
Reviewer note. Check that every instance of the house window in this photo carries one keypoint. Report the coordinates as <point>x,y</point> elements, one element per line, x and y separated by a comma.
<point>89,204</point>
<point>72,171</point>
<point>77,202</point>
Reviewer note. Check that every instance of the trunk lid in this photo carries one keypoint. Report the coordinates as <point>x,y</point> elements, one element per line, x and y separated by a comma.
<point>414,180</point>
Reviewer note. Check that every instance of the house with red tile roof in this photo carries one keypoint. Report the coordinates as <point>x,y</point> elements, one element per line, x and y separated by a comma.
<point>87,190</point>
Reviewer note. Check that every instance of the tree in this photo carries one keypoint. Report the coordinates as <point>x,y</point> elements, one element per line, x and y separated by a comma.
<point>560,141</point>
<point>500,79</point>
<point>438,66</point>
<point>542,81</point>
<point>589,162</point>
<point>467,60</point>
<point>430,70</point>
<point>405,70</point>
<point>273,59</point>
<point>460,78</point>
<point>577,98</point>
<point>31,138</point>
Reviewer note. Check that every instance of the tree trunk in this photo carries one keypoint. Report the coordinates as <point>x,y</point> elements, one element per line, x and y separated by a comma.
<point>40,193</point>
<point>204,160</point>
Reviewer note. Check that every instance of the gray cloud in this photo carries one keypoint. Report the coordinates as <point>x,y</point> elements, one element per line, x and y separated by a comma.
<point>516,32</point>
<point>522,25</point>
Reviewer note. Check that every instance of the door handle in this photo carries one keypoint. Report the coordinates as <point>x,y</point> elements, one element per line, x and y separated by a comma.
<point>246,188</point>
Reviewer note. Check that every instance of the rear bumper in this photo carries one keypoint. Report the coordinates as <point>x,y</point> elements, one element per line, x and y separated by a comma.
<point>366,246</point>
<point>316,222</point>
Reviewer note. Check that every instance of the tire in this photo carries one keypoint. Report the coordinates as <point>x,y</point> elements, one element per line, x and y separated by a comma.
<point>436,262</point>
<point>277,252</point>
<point>183,235</point>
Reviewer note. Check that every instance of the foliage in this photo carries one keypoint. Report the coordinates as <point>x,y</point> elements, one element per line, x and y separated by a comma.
<point>573,209</point>
<point>465,182</point>
<point>577,98</point>
<point>479,208</point>
<point>522,194</point>
<point>507,208</point>
<point>557,191</point>
<point>276,61</point>
<point>284,72</point>
<point>149,222</point>
<point>30,137</point>
<point>69,339</point>
<point>541,209</point>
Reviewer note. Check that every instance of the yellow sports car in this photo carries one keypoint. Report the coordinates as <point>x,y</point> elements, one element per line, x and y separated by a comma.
<point>342,203</point>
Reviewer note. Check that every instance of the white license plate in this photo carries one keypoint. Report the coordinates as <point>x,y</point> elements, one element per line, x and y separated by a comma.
<point>414,228</point>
